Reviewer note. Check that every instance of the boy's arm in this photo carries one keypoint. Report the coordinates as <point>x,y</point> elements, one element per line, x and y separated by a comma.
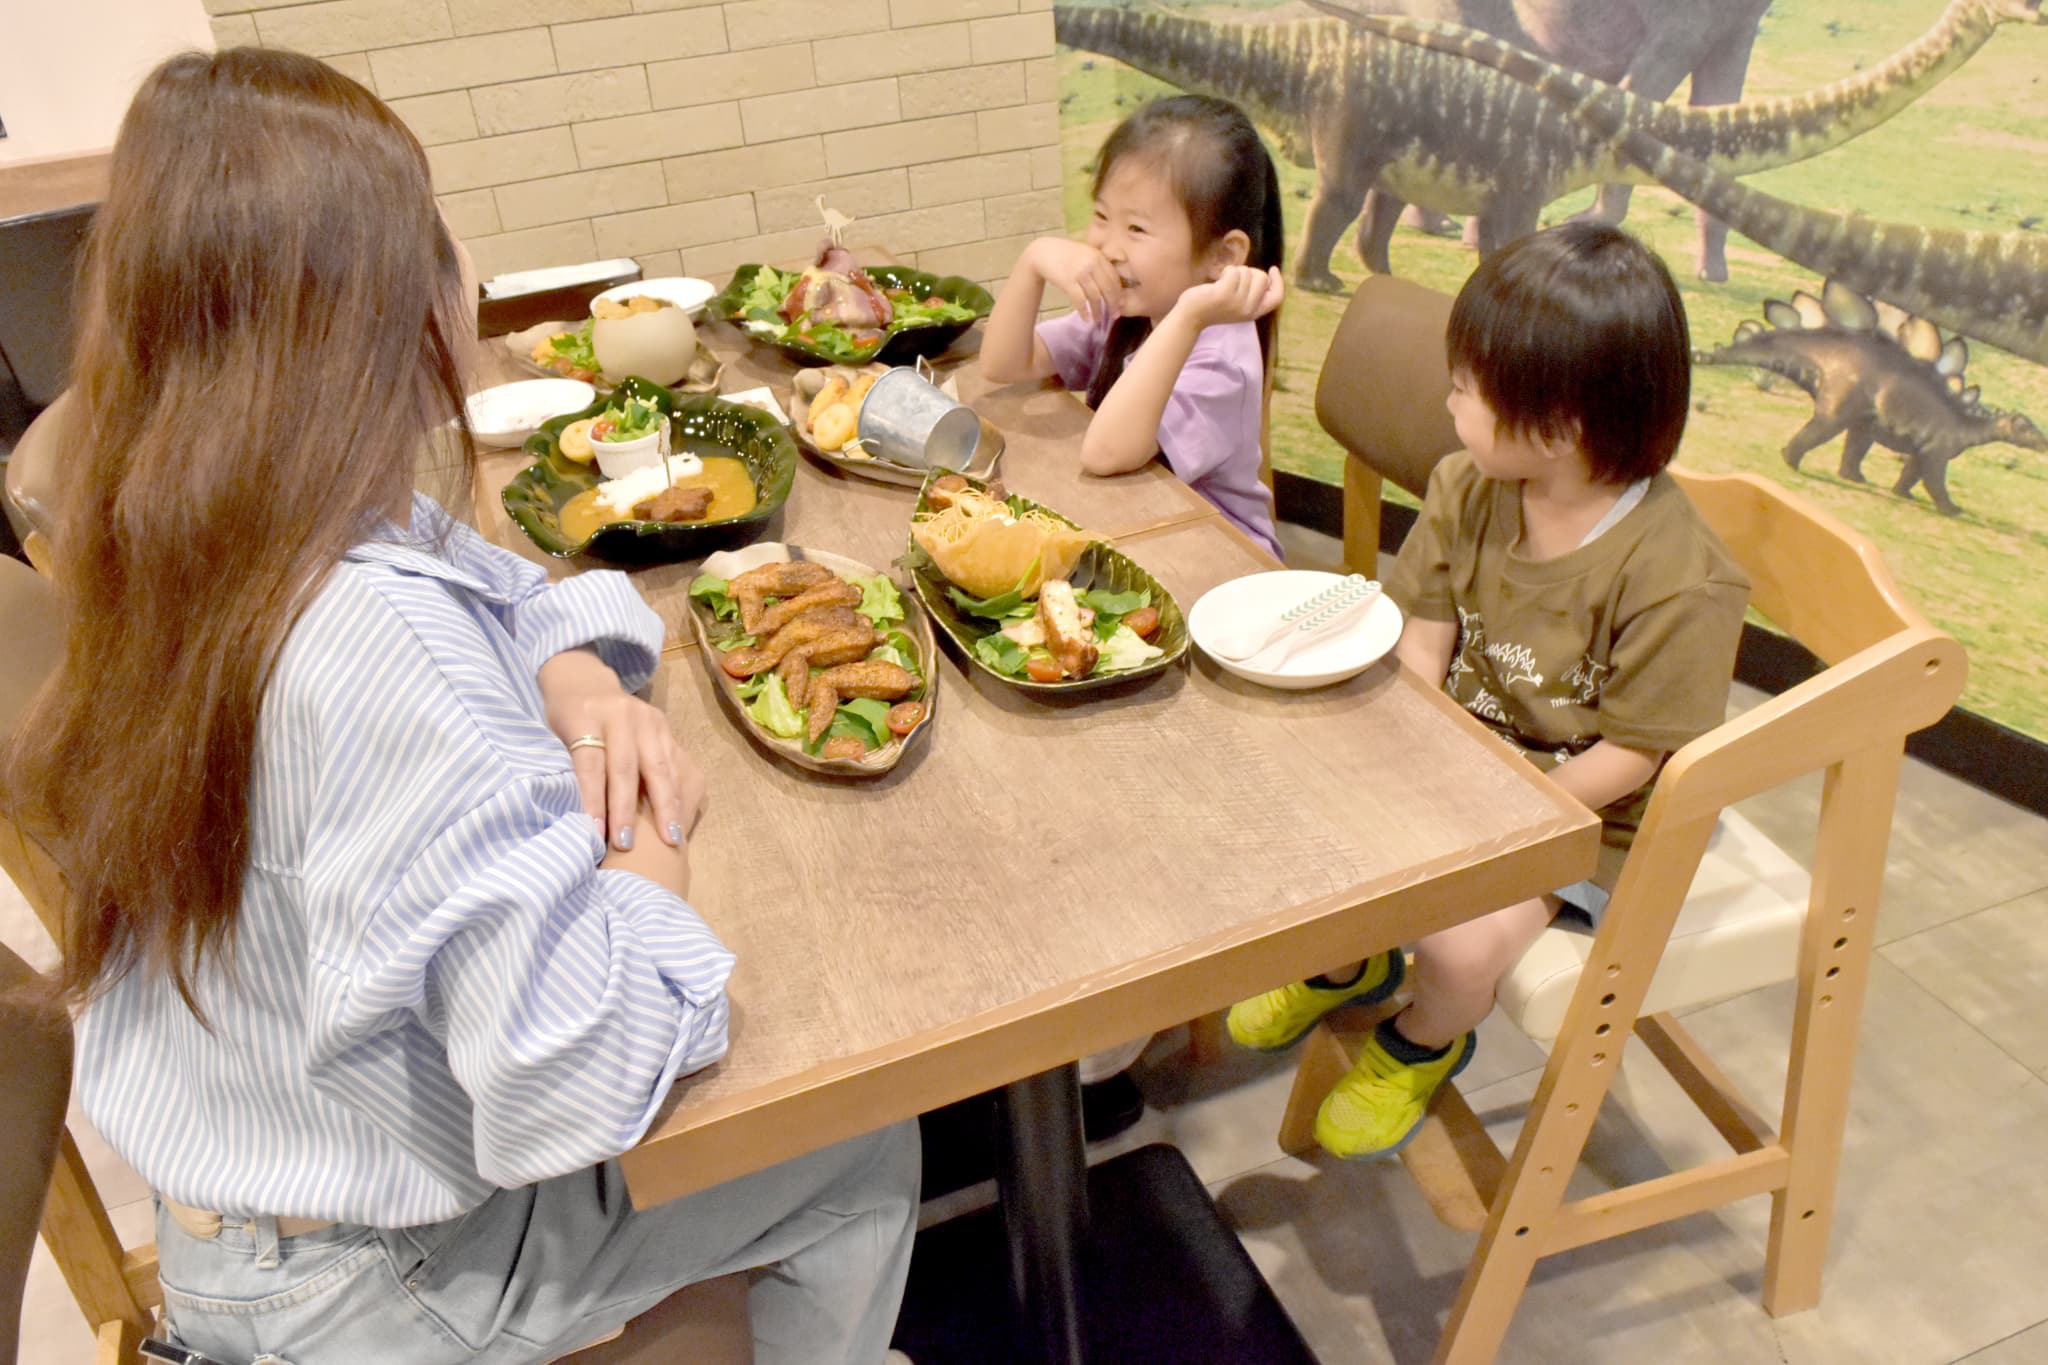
<point>1125,433</point>
<point>1606,772</point>
<point>1425,647</point>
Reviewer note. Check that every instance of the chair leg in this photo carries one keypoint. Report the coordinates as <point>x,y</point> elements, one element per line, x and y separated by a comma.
<point>1361,517</point>
<point>1323,1063</point>
<point>1834,973</point>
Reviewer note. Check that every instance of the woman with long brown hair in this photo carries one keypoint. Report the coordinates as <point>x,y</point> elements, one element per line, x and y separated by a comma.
<point>375,979</point>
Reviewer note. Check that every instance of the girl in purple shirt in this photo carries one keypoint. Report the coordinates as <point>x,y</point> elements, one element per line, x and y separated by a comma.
<point>1173,295</point>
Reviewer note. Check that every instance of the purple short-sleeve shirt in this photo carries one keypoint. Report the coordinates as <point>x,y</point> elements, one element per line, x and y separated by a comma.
<point>1209,432</point>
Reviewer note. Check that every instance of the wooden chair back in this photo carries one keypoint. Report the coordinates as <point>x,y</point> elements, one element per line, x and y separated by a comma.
<point>1888,674</point>
<point>1381,396</point>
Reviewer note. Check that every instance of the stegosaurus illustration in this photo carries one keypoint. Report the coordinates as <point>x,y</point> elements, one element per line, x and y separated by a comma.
<point>1877,376</point>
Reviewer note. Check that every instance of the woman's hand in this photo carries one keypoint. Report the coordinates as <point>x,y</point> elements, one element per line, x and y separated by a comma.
<point>1079,271</point>
<point>638,750</point>
<point>1242,293</point>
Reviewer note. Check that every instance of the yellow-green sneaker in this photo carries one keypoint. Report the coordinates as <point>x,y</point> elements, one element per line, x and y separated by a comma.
<point>1378,1106</point>
<point>1278,1019</point>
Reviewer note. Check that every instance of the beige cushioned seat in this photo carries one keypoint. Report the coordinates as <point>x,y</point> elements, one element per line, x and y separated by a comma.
<point>1738,930</point>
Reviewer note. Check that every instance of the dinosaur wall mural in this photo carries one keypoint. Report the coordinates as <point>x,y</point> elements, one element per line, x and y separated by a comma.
<point>1877,376</point>
<point>1647,47</point>
<point>1886,315</point>
<point>1991,286</point>
<point>1366,109</point>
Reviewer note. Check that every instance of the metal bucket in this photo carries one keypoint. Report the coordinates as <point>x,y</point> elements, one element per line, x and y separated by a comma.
<point>908,419</point>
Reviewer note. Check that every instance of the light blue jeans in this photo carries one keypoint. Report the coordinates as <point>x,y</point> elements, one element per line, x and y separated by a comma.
<point>534,1272</point>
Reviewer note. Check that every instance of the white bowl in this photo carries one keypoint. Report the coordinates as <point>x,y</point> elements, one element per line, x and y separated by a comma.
<point>683,291</point>
<point>506,415</point>
<point>617,459</point>
<point>1264,596</point>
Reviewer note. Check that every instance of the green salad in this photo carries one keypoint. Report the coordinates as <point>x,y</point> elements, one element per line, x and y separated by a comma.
<point>1016,647</point>
<point>626,423</point>
<point>760,307</point>
<point>875,724</point>
<point>568,351</point>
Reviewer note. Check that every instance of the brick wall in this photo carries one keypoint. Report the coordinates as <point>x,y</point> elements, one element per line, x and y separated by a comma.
<point>693,135</point>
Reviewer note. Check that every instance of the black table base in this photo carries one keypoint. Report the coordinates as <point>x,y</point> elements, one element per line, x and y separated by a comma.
<point>1161,1278</point>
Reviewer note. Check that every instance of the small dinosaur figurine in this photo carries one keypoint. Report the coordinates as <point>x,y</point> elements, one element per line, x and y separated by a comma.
<point>1877,376</point>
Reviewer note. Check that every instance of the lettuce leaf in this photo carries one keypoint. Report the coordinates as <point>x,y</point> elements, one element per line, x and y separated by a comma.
<point>1115,603</point>
<point>771,709</point>
<point>715,593</point>
<point>1005,606</point>
<point>765,293</point>
<point>733,642</point>
<point>879,600</point>
<point>863,718</point>
<point>1002,654</point>
<point>1123,651</point>
<point>897,649</point>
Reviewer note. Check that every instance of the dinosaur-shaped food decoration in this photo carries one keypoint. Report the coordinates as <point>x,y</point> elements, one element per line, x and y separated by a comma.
<point>1877,376</point>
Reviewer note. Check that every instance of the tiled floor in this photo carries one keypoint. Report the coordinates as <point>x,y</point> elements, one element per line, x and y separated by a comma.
<point>1943,1220</point>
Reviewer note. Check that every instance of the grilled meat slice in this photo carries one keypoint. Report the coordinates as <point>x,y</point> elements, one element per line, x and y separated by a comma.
<point>1067,635</point>
<point>774,580</point>
<point>675,504</point>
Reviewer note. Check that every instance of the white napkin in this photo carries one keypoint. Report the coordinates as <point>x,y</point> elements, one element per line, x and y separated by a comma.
<point>762,398</point>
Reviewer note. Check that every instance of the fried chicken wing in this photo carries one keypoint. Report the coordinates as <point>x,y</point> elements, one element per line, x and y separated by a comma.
<point>795,671</point>
<point>869,678</point>
<point>774,580</point>
<point>1067,634</point>
<point>833,627</point>
<point>837,593</point>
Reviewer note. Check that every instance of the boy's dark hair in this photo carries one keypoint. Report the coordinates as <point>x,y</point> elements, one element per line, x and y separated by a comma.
<point>1579,325</point>
<point>1220,172</point>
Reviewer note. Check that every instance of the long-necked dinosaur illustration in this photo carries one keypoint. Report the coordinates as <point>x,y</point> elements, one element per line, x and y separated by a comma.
<point>1877,377</point>
<point>1441,131</point>
<point>1649,47</point>
<point>1991,286</point>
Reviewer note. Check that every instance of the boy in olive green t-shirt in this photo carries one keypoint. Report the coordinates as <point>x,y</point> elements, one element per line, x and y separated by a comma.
<point>1562,588</point>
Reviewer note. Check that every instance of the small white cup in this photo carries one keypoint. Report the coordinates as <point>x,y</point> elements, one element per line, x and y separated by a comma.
<point>617,459</point>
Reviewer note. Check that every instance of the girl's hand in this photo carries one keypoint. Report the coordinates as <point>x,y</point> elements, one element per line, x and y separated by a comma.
<point>1242,293</point>
<point>583,698</point>
<point>1079,271</point>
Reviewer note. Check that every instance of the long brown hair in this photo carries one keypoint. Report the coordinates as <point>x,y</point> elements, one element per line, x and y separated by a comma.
<point>267,331</point>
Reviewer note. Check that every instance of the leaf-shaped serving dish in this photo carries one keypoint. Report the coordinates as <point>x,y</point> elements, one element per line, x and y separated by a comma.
<point>902,343</point>
<point>1100,568</point>
<point>702,424</point>
<point>805,385</point>
<point>712,632</point>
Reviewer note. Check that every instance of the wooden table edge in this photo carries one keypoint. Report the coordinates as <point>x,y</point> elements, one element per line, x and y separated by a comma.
<point>858,1094</point>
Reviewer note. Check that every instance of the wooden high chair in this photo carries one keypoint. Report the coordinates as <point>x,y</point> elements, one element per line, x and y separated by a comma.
<point>1706,908</point>
<point>116,1287</point>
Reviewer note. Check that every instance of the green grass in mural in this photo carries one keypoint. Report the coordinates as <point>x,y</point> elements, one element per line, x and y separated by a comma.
<point>1972,154</point>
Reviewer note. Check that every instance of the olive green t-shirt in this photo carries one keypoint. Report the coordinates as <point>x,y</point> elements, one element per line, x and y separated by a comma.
<point>1630,638</point>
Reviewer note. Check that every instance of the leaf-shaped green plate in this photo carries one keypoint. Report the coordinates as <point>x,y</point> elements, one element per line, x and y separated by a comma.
<point>535,497</point>
<point>900,345</point>
<point>1099,567</point>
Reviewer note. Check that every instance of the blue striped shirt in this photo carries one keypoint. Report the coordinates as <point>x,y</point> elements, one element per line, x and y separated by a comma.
<point>435,991</point>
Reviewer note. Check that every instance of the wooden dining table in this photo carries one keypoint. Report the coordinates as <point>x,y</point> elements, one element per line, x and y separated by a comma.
<point>1042,879</point>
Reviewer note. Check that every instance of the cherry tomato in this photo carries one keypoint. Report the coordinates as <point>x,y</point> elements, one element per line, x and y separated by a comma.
<point>1044,670</point>
<point>736,663</point>
<point>1143,622</point>
<point>600,429</point>
<point>904,718</point>
<point>846,746</point>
